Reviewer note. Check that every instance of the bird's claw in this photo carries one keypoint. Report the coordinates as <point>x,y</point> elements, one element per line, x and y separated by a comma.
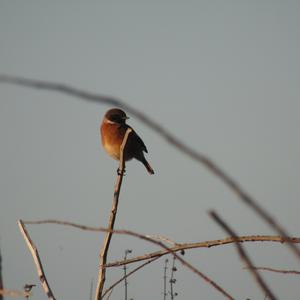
<point>120,172</point>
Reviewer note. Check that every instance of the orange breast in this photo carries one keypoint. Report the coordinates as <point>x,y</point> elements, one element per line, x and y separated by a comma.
<point>112,137</point>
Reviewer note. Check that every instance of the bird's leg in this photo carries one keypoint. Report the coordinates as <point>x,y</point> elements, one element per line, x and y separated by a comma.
<point>119,172</point>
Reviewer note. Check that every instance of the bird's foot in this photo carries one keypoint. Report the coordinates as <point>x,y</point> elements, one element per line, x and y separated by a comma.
<point>120,172</point>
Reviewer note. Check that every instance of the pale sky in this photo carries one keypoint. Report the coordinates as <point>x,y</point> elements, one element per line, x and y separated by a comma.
<point>221,75</point>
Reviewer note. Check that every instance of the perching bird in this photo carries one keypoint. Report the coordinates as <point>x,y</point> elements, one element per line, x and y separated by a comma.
<point>113,129</point>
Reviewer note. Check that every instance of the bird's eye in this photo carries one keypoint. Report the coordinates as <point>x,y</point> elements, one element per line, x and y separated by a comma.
<point>116,118</point>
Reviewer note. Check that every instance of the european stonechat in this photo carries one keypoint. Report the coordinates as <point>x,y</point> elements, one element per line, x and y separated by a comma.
<point>113,129</point>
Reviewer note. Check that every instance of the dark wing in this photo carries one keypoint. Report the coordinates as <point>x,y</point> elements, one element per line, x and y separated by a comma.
<point>140,141</point>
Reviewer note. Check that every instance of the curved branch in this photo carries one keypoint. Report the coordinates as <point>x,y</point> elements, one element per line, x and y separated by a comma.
<point>168,136</point>
<point>243,255</point>
<point>178,246</point>
<point>153,241</point>
<point>206,244</point>
<point>129,274</point>
<point>294,272</point>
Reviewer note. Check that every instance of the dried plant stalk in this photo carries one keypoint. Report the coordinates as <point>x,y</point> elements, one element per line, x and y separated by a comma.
<point>178,246</point>
<point>243,255</point>
<point>1,280</point>
<point>168,136</point>
<point>112,218</point>
<point>154,241</point>
<point>128,274</point>
<point>37,261</point>
<point>14,293</point>
<point>294,272</point>
<point>207,244</point>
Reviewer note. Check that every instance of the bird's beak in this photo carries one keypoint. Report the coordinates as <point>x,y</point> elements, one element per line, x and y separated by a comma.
<point>126,118</point>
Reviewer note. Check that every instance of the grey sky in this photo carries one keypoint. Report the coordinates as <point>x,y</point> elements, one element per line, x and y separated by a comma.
<point>221,75</point>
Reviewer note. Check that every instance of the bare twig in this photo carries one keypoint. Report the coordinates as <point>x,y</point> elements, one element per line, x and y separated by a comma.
<point>91,289</point>
<point>168,136</point>
<point>154,241</point>
<point>184,262</point>
<point>294,272</point>
<point>14,293</point>
<point>165,278</point>
<point>173,280</point>
<point>37,261</point>
<point>163,239</point>
<point>244,257</point>
<point>1,280</point>
<point>108,296</point>
<point>27,289</point>
<point>112,218</point>
<point>66,223</point>
<point>205,244</point>
<point>127,251</point>
<point>178,247</point>
<point>128,274</point>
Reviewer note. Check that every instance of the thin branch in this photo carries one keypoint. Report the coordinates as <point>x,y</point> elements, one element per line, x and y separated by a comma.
<point>294,272</point>
<point>14,293</point>
<point>165,278</point>
<point>183,262</point>
<point>27,289</point>
<point>186,264</point>
<point>37,261</point>
<point>163,239</point>
<point>108,296</point>
<point>173,280</point>
<point>127,251</point>
<point>112,218</point>
<point>178,247</point>
<point>91,289</point>
<point>168,136</point>
<point>66,223</point>
<point>145,238</point>
<point>128,274</point>
<point>205,244</point>
<point>1,280</point>
<point>243,255</point>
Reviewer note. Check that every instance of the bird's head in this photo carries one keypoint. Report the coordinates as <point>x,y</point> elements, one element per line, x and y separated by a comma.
<point>116,116</point>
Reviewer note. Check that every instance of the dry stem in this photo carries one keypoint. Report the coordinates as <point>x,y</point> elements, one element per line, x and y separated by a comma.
<point>206,244</point>
<point>244,257</point>
<point>128,274</point>
<point>294,272</point>
<point>14,293</point>
<point>111,222</point>
<point>1,280</point>
<point>178,247</point>
<point>37,261</point>
<point>154,241</point>
<point>168,136</point>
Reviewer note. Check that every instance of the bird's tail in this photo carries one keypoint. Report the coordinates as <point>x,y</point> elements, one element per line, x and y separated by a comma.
<point>147,165</point>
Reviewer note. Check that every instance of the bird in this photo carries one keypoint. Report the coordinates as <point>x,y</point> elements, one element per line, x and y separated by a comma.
<point>113,129</point>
